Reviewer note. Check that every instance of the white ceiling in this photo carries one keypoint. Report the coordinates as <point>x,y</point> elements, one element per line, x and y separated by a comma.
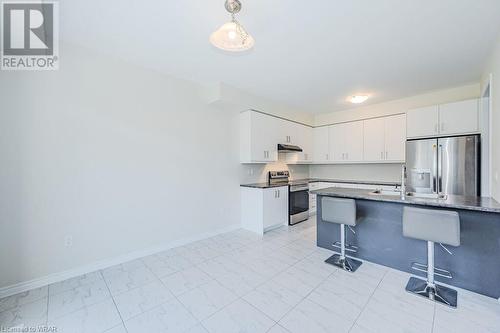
<point>308,54</point>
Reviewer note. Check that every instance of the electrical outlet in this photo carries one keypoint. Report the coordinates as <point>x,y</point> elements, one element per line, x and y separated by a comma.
<point>68,241</point>
<point>250,172</point>
<point>496,176</point>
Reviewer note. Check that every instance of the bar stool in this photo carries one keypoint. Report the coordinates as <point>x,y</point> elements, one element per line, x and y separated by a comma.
<point>343,212</point>
<point>433,226</point>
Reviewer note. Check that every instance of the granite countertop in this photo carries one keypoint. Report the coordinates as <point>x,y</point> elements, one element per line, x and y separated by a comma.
<point>317,180</point>
<point>482,204</point>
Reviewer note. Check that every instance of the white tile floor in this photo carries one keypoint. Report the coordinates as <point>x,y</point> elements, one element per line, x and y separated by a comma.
<point>239,282</point>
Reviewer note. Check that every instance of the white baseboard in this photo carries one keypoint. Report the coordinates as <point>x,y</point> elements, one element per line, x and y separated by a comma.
<point>101,264</point>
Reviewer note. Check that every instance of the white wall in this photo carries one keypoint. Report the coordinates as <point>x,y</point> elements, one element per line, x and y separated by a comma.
<point>493,67</point>
<point>383,172</point>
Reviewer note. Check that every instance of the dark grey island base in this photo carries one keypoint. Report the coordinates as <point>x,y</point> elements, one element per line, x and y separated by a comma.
<point>475,264</point>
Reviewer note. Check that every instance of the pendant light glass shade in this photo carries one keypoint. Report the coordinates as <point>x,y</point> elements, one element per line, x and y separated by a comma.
<point>232,36</point>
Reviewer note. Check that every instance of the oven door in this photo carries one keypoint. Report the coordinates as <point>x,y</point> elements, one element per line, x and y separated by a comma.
<point>298,204</point>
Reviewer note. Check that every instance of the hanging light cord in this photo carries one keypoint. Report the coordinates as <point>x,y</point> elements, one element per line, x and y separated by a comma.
<point>241,30</point>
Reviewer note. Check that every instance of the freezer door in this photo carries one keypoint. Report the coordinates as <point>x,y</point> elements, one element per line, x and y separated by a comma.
<point>458,159</point>
<point>421,166</point>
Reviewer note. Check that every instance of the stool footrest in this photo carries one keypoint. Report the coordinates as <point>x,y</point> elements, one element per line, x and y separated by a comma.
<point>348,247</point>
<point>435,292</point>
<point>347,264</point>
<point>437,271</point>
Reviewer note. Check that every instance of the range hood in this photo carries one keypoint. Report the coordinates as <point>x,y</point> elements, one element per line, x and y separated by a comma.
<point>284,148</point>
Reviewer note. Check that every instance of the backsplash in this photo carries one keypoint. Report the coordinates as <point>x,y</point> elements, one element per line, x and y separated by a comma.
<point>371,172</point>
<point>257,173</point>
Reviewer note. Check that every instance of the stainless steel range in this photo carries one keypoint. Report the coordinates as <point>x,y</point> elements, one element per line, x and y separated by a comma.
<point>298,196</point>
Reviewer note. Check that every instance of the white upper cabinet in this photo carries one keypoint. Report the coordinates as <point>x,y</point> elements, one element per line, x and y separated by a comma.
<point>321,150</point>
<point>395,138</point>
<point>346,142</point>
<point>422,122</point>
<point>305,141</point>
<point>384,139</point>
<point>257,138</point>
<point>374,140</point>
<point>260,135</point>
<point>460,117</point>
<point>288,132</point>
<point>444,119</point>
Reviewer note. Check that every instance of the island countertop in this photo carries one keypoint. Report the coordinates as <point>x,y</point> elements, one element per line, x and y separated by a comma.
<point>482,204</point>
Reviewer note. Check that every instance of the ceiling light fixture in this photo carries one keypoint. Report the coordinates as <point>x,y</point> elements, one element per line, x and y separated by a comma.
<point>357,99</point>
<point>232,36</point>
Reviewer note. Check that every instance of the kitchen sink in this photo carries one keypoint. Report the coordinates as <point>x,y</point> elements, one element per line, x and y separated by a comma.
<point>427,195</point>
<point>386,192</point>
<point>410,194</point>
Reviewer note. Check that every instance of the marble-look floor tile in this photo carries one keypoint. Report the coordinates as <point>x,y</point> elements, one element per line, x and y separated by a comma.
<point>26,315</point>
<point>197,329</point>
<point>171,317</point>
<point>298,281</point>
<point>273,299</point>
<point>125,267</point>
<point>278,329</point>
<point>13,301</point>
<point>117,329</point>
<point>161,267</point>
<point>120,281</point>
<point>96,318</point>
<point>340,303</point>
<point>312,266</point>
<point>314,318</point>
<point>141,299</point>
<point>186,280</point>
<point>385,315</point>
<point>66,285</point>
<point>69,301</point>
<point>239,316</point>
<point>475,312</point>
<point>207,299</point>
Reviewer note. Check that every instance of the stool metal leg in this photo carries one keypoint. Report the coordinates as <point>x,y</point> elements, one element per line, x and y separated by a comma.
<point>347,264</point>
<point>429,289</point>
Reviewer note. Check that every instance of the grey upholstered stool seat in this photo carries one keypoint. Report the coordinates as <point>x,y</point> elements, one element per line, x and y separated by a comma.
<point>343,212</point>
<point>433,226</point>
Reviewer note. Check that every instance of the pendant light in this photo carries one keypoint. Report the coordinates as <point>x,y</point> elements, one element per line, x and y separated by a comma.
<point>231,36</point>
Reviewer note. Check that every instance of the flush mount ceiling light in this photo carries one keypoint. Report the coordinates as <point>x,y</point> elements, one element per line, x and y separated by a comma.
<point>232,36</point>
<point>357,99</point>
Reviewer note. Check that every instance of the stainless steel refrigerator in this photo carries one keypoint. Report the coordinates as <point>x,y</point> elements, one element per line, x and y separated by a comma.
<point>443,165</point>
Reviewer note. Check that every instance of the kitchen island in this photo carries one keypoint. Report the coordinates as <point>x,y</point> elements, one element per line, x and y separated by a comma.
<point>475,264</point>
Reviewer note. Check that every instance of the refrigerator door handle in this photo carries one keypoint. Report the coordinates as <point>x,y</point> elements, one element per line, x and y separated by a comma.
<point>440,169</point>
<point>434,169</point>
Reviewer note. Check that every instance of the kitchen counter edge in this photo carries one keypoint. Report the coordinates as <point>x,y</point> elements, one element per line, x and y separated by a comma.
<point>481,204</point>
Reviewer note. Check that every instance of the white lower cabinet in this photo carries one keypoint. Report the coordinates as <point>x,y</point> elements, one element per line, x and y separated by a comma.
<point>264,209</point>
<point>312,197</point>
